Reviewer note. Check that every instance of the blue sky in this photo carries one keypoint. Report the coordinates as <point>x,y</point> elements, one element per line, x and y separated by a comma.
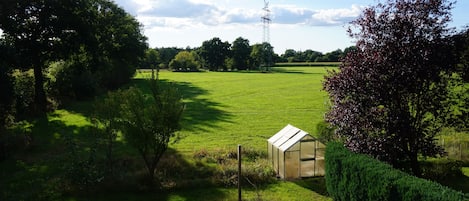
<point>296,24</point>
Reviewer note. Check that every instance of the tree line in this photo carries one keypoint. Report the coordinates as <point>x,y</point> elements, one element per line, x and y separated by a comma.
<point>216,55</point>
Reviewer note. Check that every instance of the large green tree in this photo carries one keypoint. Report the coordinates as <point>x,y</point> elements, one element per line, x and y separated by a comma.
<point>215,52</point>
<point>118,45</point>
<point>41,31</point>
<point>240,53</point>
<point>185,61</point>
<point>262,56</point>
<point>97,36</point>
<point>387,95</point>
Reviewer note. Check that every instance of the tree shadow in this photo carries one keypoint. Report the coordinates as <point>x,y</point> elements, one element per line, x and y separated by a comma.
<point>178,178</point>
<point>316,184</point>
<point>199,113</point>
<point>459,183</point>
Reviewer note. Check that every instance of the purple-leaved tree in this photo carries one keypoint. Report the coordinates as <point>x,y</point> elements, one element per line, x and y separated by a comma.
<point>387,96</point>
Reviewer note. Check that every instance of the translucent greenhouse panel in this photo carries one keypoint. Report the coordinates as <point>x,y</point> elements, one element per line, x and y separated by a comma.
<point>320,168</point>
<point>307,149</point>
<point>269,153</point>
<point>320,150</point>
<point>281,164</point>
<point>275,159</point>
<point>307,168</point>
<point>292,164</point>
<point>295,147</point>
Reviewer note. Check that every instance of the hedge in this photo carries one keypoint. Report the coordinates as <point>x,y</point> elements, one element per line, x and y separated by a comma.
<point>351,176</point>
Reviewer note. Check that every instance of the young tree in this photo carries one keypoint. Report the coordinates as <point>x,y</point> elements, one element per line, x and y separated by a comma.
<point>387,95</point>
<point>150,121</point>
<point>107,115</point>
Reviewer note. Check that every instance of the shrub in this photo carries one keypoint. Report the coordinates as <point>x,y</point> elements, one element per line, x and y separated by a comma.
<point>351,176</point>
<point>325,132</point>
<point>71,80</point>
<point>24,93</point>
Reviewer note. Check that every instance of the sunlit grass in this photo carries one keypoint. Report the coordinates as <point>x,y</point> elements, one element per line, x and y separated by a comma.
<point>225,108</point>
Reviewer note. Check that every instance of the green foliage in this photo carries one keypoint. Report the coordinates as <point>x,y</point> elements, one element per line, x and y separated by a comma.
<point>262,56</point>
<point>24,93</point>
<point>83,173</point>
<point>458,103</point>
<point>325,132</point>
<point>351,176</point>
<point>240,54</point>
<point>185,61</point>
<point>71,79</point>
<point>215,52</point>
<point>150,121</point>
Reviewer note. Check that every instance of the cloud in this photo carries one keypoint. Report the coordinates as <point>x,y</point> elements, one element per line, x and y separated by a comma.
<point>336,16</point>
<point>190,13</point>
<point>288,14</point>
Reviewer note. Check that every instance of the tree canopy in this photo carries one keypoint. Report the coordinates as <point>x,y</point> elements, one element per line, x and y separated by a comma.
<point>240,53</point>
<point>215,52</point>
<point>387,97</point>
<point>97,35</point>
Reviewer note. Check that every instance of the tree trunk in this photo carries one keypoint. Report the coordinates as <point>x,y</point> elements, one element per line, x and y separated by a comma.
<point>40,101</point>
<point>414,163</point>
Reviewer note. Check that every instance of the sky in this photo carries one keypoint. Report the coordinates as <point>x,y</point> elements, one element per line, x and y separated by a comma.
<point>318,25</point>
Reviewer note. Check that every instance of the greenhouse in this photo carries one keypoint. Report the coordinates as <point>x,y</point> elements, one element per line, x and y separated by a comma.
<point>296,154</point>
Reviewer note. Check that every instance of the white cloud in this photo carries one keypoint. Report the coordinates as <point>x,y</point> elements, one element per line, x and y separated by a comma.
<point>190,13</point>
<point>336,16</point>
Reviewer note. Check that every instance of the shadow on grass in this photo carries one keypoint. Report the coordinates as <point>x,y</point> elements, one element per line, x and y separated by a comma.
<point>460,183</point>
<point>199,113</point>
<point>316,184</point>
<point>179,179</point>
<point>290,71</point>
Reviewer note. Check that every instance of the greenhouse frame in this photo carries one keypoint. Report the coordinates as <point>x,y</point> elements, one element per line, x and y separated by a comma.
<point>294,154</point>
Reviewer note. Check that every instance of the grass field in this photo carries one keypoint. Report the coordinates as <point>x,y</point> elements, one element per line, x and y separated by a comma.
<point>226,108</point>
<point>223,109</point>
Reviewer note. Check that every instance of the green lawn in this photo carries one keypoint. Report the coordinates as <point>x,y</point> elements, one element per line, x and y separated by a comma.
<point>223,109</point>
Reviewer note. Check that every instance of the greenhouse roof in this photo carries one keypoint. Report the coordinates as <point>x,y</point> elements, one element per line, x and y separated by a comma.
<point>287,137</point>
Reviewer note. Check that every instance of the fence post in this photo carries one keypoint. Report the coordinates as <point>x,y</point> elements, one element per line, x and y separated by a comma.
<point>239,172</point>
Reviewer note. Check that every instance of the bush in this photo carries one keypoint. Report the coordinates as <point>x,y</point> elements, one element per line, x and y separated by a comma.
<point>24,93</point>
<point>71,80</point>
<point>351,176</point>
<point>325,132</point>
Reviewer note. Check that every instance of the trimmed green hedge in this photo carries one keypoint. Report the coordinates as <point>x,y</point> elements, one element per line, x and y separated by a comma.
<point>351,176</point>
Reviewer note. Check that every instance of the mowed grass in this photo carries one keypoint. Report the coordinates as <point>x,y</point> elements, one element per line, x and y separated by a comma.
<point>224,109</point>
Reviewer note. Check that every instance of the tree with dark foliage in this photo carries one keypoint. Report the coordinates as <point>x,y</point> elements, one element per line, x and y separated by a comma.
<point>387,96</point>
<point>215,52</point>
<point>41,31</point>
<point>241,51</point>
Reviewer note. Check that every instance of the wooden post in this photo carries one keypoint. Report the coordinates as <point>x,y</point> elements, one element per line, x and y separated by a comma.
<point>239,172</point>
